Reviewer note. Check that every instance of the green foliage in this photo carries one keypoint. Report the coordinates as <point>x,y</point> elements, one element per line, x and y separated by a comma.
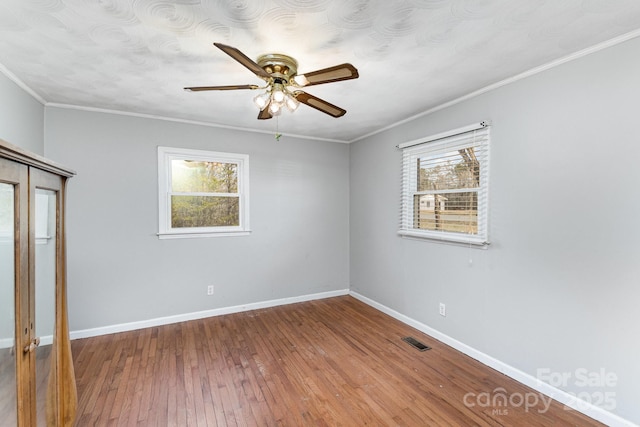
<point>204,211</point>
<point>219,207</point>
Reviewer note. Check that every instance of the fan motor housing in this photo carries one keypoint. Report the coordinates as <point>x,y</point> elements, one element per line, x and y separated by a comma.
<point>278,65</point>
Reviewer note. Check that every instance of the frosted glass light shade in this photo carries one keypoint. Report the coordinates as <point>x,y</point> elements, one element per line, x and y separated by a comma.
<point>261,100</point>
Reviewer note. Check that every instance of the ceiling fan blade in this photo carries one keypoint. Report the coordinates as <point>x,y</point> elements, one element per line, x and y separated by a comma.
<point>328,75</point>
<point>232,87</point>
<point>243,59</point>
<point>319,104</point>
<point>264,114</point>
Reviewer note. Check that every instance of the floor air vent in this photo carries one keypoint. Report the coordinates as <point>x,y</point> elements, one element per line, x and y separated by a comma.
<point>415,343</point>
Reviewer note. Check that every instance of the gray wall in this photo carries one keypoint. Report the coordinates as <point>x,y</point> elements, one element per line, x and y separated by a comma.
<point>21,117</point>
<point>559,286</point>
<point>120,272</point>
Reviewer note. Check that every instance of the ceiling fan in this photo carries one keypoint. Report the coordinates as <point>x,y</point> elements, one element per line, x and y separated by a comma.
<point>283,84</point>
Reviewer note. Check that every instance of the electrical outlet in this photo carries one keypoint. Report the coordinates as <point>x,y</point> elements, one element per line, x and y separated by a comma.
<point>443,309</point>
<point>210,290</point>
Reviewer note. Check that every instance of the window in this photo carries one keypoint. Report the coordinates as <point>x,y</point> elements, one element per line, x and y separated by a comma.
<point>445,186</point>
<point>202,193</point>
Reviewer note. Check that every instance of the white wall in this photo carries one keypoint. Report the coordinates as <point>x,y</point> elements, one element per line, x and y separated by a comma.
<point>560,285</point>
<point>119,272</point>
<point>21,117</point>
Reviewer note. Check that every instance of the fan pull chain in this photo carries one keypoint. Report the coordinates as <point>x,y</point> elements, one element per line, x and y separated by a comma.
<point>277,135</point>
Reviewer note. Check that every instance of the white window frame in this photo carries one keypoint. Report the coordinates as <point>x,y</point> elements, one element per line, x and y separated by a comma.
<point>165,156</point>
<point>476,135</point>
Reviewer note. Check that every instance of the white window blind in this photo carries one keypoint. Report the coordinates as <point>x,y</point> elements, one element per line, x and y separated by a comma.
<point>445,185</point>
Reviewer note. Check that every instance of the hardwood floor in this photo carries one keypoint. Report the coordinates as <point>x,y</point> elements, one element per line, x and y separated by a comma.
<point>8,403</point>
<point>328,362</point>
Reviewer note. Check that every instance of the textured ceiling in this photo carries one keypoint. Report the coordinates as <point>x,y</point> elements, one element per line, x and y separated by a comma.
<point>135,56</point>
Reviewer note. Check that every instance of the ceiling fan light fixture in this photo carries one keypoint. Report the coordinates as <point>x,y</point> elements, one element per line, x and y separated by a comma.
<point>280,73</point>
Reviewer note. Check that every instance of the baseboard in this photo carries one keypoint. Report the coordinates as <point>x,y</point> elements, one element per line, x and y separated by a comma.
<point>124,327</point>
<point>561,396</point>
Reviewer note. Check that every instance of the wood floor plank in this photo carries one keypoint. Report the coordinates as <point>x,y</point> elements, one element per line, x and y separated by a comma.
<point>320,363</point>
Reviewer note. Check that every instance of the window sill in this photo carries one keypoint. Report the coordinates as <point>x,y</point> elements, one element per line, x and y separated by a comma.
<point>163,236</point>
<point>450,239</point>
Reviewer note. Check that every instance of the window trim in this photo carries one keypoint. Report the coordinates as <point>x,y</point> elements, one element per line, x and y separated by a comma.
<point>165,155</point>
<point>434,144</point>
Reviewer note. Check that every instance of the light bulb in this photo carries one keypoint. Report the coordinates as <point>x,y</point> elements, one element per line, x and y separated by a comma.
<point>274,108</point>
<point>277,94</point>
